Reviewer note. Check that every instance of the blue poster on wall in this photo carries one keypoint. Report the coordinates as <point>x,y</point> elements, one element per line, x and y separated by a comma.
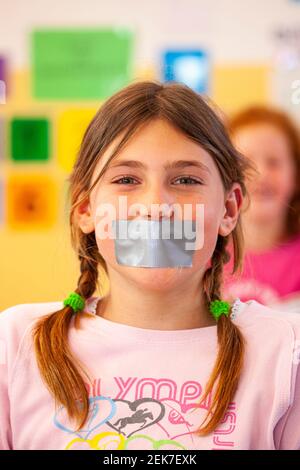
<point>187,66</point>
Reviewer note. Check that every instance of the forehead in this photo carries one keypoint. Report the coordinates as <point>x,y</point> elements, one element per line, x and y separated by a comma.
<point>155,144</point>
<point>262,136</point>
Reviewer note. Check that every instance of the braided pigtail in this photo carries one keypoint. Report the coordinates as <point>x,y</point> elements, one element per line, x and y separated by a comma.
<point>229,362</point>
<point>59,368</point>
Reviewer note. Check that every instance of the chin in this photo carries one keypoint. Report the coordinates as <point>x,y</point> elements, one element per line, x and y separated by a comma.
<point>156,279</point>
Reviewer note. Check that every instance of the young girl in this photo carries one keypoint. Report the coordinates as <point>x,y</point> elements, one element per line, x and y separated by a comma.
<point>161,361</point>
<point>271,273</point>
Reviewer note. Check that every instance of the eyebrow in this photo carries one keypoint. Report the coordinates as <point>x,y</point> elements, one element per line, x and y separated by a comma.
<point>168,166</point>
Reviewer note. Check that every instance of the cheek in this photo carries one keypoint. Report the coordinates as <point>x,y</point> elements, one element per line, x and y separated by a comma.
<point>106,249</point>
<point>104,238</point>
<point>282,185</point>
<point>209,231</point>
<point>286,184</point>
<point>279,182</point>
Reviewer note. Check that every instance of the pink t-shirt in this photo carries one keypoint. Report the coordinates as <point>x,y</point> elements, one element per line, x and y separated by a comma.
<point>268,277</point>
<point>147,383</point>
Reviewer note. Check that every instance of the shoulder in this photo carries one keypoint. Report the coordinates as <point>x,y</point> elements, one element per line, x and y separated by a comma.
<point>272,350</point>
<point>21,315</point>
<point>17,319</point>
<point>256,318</point>
<point>290,247</point>
<point>272,336</point>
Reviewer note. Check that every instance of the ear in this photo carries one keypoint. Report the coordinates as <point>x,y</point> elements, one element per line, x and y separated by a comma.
<point>232,205</point>
<point>84,217</point>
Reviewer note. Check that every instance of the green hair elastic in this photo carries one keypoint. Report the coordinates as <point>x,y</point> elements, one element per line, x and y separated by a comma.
<point>76,301</point>
<point>219,307</point>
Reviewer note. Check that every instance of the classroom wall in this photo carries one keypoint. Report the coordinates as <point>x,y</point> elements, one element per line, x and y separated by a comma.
<point>232,30</point>
<point>37,264</point>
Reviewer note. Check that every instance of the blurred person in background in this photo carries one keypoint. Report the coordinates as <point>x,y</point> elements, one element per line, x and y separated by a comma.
<point>271,273</point>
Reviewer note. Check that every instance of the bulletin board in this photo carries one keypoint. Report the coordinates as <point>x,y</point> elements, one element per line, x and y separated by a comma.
<point>48,106</point>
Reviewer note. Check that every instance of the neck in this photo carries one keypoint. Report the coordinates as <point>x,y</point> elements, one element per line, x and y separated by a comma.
<point>177,309</point>
<point>265,234</point>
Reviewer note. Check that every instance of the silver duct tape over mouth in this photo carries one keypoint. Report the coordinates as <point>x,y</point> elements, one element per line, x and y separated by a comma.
<point>154,243</point>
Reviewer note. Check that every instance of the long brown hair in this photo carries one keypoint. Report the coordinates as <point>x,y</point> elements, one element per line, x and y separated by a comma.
<point>126,111</point>
<point>255,115</point>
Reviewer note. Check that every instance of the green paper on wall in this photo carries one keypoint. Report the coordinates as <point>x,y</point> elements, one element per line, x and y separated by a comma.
<point>2,139</point>
<point>29,139</point>
<point>80,63</point>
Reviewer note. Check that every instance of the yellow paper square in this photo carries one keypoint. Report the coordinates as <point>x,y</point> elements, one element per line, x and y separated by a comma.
<point>237,86</point>
<point>72,124</point>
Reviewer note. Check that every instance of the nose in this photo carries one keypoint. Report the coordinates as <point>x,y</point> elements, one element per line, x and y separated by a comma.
<point>156,202</point>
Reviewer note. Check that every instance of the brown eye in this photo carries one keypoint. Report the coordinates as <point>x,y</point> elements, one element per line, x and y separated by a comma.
<point>188,178</point>
<point>124,180</point>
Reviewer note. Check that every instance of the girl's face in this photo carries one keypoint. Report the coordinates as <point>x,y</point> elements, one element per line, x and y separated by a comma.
<point>273,188</point>
<point>145,172</point>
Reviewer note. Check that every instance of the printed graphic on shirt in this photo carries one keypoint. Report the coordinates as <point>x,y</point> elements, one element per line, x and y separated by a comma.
<point>166,418</point>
